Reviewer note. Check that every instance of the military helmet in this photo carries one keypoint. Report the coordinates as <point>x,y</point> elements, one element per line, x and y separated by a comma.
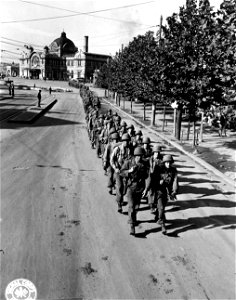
<point>112,130</point>
<point>117,118</point>
<point>115,136</point>
<point>146,140</point>
<point>157,148</point>
<point>168,158</point>
<point>139,151</point>
<point>131,126</point>
<point>125,137</point>
<point>123,124</point>
<point>139,132</point>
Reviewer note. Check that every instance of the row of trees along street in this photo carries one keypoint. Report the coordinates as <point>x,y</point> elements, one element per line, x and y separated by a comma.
<point>190,61</point>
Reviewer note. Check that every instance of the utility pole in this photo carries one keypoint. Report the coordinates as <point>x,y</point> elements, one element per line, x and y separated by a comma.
<point>154,103</point>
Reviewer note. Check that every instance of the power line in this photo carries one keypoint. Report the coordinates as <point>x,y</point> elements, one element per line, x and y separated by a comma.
<point>17,45</point>
<point>4,50</point>
<point>76,14</point>
<point>20,41</point>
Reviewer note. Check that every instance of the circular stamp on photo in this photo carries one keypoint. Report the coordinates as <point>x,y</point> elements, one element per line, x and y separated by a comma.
<point>21,289</point>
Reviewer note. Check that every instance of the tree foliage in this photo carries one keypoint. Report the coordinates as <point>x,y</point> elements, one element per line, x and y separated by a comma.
<point>194,62</point>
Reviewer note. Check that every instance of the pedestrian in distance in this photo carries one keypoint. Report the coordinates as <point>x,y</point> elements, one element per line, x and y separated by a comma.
<point>9,88</point>
<point>222,124</point>
<point>12,90</point>
<point>135,171</point>
<point>50,90</point>
<point>39,98</point>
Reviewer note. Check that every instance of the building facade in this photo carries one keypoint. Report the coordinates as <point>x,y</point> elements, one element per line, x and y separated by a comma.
<point>61,61</point>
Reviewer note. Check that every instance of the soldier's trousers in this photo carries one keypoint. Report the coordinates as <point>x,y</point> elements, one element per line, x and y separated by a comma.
<point>111,177</point>
<point>162,200</point>
<point>151,199</point>
<point>134,199</point>
<point>98,147</point>
<point>119,189</point>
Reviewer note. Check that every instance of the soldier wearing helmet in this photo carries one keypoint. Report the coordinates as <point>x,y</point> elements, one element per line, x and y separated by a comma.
<point>114,139</point>
<point>138,139</point>
<point>120,153</point>
<point>165,179</point>
<point>117,124</point>
<point>123,128</point>
<point>155,162</point>
<point>135,172</point>
<point>147,147</point>
<point>105,134</point>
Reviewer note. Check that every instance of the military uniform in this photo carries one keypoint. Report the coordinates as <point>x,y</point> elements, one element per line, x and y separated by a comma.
<point>106,162</point>
<point>165,182</point>
<point>135,174</point>
<point>118,157</point>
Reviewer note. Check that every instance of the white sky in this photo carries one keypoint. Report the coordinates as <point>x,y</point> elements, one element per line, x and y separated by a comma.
<point>105,35</point>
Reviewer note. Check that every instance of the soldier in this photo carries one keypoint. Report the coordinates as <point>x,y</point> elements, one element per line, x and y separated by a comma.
<point>97,140</point>
<point>135,171</point>
<point>117,123</point>
<point>147,147</point>
<point>106,161</point>
<point>138,139</point>
<point>165,180</point>
<point>39,98</point>
<point>155,162</point>
<point>120,153</point>
<point>123,129</point>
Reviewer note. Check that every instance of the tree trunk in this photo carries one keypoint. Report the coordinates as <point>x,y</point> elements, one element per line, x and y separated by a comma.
<point>201,127</point>
<point>194,134</point>
<point>164,118</point>
<point>188,130</point>
<point>174,123</point>
<point>178,122</point>
<point>144,111</point>
<point>131,105</point>
<point>153,113</point>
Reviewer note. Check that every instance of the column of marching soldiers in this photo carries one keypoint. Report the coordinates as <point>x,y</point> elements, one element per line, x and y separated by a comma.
<point>133,167</point>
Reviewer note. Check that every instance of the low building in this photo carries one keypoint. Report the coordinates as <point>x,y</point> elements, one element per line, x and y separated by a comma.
<point>61,61</point>
<point>9,69</point>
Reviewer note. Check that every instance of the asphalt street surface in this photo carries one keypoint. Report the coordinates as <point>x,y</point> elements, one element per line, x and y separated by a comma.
<point>60,228</point>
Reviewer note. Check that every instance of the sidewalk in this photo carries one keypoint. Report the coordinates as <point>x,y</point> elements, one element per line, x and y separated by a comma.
<point>215,153</point>
<point>31,113</point>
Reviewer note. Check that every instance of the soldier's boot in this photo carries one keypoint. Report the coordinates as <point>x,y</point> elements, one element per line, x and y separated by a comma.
<point>132,229</point>
<point>119,208</point>
<point>163,228</point>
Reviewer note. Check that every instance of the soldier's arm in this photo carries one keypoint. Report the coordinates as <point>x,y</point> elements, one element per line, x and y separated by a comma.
<point>106,153</point>
<point>113,158</point>
<point>175,185</point>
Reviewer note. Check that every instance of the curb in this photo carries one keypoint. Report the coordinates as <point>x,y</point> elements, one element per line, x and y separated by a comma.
<point>201,162</point>
<point>37,116</point>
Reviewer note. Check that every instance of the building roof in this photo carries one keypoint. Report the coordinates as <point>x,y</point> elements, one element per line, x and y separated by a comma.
<point>64,44</point>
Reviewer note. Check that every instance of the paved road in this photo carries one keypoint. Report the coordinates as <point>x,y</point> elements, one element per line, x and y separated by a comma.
<point>60,228</point>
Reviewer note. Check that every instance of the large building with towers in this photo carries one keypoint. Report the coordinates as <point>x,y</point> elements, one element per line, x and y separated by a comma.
<point>61,60</point>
